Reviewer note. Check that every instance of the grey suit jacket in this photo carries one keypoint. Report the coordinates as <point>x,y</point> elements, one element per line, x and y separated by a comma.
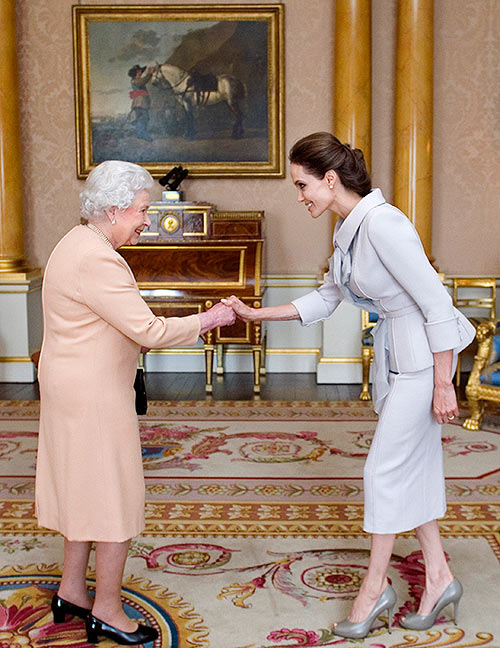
<point>391,270</point>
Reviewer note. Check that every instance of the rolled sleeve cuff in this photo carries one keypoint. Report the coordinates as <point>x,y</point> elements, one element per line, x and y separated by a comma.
<point>443,335</point>
<point>311,308</point>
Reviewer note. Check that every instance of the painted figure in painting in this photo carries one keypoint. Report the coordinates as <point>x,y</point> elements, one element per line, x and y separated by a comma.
<point>141,101</point>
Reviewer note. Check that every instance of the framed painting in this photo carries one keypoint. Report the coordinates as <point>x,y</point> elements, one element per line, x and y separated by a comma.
<point>197,85</point>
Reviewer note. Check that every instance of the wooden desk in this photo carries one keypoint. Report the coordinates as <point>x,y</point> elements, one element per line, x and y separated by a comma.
<point>208,256</point>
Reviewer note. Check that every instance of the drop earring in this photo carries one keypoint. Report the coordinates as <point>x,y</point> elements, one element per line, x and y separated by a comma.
<point>113,221</point>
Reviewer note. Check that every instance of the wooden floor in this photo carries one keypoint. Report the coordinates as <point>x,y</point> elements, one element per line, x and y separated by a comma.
<point>191,386</point>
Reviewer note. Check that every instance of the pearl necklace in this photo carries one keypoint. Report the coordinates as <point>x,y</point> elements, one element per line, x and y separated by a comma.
<point>100,234</point>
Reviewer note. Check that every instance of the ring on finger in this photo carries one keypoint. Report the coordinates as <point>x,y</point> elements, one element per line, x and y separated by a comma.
<point>450,418</point>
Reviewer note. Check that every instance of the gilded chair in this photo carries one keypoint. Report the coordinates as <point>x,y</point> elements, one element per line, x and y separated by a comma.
<point>477,307</point>
<point>484,380</point>
<point>368,321</point>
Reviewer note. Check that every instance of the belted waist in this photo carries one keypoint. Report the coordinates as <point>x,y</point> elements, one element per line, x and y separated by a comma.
<point>381,349</point>
<point>400,312</point>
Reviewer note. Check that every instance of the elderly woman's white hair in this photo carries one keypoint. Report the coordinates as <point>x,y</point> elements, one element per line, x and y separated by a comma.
<point>113,183</point>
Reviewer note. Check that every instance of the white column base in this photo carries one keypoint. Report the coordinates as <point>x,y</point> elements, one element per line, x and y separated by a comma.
<point>340,360</point>
<point>21,325</point>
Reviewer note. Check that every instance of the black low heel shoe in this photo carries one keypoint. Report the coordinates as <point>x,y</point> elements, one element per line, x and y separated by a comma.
<point>96,627</point>
<point>60,608</point>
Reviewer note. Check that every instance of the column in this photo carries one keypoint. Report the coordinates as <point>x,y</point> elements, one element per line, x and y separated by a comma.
<point>341,355</point>
<point>20,303</point>
<point>11,207</point>
<point>413,127</point>
<point>352,65</point>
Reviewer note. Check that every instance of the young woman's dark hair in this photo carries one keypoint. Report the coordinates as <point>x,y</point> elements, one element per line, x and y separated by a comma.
<point>319,152</point>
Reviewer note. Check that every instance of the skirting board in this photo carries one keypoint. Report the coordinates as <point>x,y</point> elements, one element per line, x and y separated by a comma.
<point>17,372</point>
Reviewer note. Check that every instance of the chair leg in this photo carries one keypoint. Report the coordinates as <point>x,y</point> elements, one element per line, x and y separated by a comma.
<point>263,355</point>
<point>209,356</point>
<point>257,352</point>
<point>477,412</point>
<point>366,358</point>
<point>220,359</point>
<point>459,369</point>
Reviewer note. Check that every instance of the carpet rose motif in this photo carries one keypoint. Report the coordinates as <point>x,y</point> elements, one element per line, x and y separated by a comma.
<point>167,446</point>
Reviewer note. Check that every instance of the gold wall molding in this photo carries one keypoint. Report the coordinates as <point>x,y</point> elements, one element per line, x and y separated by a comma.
<point>284,351</point>
<point>340,360</point>
<point>15,359</point>
<point>284,285</point>
<point>413,115</point>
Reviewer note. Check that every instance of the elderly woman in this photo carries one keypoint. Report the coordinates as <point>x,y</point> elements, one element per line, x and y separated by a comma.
<point>89,479</point>
<point>380,265</point>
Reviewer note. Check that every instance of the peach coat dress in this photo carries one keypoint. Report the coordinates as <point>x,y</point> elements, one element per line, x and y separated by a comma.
<point>89,475</point>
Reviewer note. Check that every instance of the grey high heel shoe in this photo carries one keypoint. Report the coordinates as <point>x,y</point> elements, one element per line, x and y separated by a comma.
<point>359,630</point>
<point>451,594</point>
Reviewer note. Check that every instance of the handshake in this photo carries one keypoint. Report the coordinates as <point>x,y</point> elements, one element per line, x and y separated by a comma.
<point>224,314</point>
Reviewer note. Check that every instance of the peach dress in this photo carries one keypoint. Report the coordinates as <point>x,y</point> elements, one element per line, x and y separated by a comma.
<point>89,476</point>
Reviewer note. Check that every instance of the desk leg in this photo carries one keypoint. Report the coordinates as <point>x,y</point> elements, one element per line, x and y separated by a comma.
<point>263,355</point>
<point>366,358</point>
<point>220,359</point>
<point>209,358</point>
<point>257,351</point>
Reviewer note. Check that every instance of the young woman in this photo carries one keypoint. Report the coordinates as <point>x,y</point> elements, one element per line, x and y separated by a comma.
<point>379,264</point>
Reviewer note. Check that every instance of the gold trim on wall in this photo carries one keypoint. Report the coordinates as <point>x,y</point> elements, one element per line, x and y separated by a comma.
<point>15,359</point>
<point>285,351</point>
<point>340,361</point>
<point>27,278</point>
<point>268,285</point>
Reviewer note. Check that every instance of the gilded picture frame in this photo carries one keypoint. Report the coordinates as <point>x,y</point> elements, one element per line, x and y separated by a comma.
<point>197,85</point>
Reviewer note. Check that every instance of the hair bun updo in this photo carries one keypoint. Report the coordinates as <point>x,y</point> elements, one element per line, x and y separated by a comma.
<point>322,151</point>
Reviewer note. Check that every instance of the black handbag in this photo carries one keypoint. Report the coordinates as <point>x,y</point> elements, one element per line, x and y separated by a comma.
<point>141,398</point>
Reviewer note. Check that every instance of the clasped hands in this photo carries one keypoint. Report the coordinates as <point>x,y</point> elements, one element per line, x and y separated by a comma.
<point>224,314</point>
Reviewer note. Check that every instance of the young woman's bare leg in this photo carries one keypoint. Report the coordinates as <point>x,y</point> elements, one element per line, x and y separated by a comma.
<point>437,573</point>
<point>375,580</point>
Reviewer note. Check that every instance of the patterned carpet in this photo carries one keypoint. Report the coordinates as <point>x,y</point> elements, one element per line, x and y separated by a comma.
<point>254,530</point>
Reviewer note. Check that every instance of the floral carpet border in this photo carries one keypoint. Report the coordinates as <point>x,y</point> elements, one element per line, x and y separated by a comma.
<point>269,519</point>
<point>252,409</point>
<point>209,409</point>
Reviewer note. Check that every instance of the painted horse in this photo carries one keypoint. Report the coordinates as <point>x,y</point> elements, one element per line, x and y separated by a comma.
<point>193,90</point>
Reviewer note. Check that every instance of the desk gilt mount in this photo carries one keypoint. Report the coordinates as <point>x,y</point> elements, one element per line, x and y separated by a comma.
<point>193,255</point>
